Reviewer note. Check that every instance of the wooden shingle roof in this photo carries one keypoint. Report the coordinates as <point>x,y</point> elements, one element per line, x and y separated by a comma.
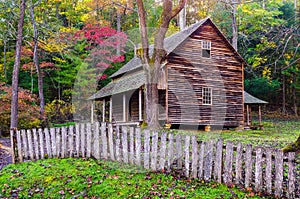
<point>249,99</point>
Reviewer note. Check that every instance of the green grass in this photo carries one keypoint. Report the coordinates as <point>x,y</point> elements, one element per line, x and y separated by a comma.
<point>78,178</point>
<point>277,133</point>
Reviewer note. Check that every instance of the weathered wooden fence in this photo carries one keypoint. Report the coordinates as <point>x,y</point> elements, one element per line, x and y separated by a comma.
<point>264,170</point>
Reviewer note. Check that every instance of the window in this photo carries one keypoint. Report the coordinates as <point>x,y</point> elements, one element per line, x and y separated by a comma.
<point>207,96</point>
<point>206,47</point>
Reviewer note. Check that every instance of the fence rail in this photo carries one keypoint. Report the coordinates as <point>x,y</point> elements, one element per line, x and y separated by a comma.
<point>265,170</point>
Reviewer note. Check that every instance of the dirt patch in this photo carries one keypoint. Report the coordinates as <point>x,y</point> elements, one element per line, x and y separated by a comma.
<point>5,156</point>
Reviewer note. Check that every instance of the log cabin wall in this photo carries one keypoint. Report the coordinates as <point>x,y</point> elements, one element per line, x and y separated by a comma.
<point>189,72</point>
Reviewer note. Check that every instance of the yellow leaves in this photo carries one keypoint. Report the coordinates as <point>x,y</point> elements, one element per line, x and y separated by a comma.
<point>57,59</point>
<point>266,72</point>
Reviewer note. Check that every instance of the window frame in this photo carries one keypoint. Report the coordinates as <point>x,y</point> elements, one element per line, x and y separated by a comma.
<point>206,45</point>
<point>207,100</point>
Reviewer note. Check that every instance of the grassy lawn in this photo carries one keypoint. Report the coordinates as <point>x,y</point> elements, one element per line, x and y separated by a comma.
<point>277,133</point>
<point>78,178</point>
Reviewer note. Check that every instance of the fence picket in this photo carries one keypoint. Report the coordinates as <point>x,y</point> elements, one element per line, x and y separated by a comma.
<point>19,144</point>
<point>77,139</point>
<point>268,174</point>
<point>228,163</point>
<point>170,151</point>
<point>30,144</point>
<point>82,139</point>
<point>41,143</point>
<point>36,144</point>
<point>248,166</point>
<point>63,141</point>
<point>58,142</point>
<point>48,143</point>
<point>24,139</point>
<point>194,157</point>
<point>179,151</point>
<point>71,141</point>
<point>53,142</point>
<point>88,140</point>
<point>162,151</point>
<point>258,170</point>
<point>278,172</point>
<point>111,142</point>
<point>104,141</point>
<point>96,141</point>
<point>187,141</point>
<point>291,175</point>
<point>146,148</point>
<point>131,145</point>
<point>118,151</point>
<point>154,151</point>
<point>201,160</point>
<point>125,144</point>
<point>238,163</point>
<point>208,160</point>
<point>218,162</point>
<point>138,145</point>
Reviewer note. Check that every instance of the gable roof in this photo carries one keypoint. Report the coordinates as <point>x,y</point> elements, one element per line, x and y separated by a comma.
<point>171,42</point>
<point>249,99</point>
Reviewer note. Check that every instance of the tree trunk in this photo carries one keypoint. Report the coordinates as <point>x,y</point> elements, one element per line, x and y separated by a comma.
<point>4,59</point>
<point>15,80</point>
<point>182,18</point>
<point>234,25</point>
<point>294,94</point>
<point>36,61</point>
<point>118,30</point>
<point>283,95</point>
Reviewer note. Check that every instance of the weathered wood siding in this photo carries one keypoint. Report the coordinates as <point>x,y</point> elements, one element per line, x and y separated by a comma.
<point>188,72</point>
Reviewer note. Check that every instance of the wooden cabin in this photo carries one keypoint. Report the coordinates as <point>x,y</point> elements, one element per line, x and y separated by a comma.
<point>200,84</point>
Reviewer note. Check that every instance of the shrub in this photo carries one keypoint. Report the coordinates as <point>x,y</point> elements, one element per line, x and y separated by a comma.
<point>59,112</point>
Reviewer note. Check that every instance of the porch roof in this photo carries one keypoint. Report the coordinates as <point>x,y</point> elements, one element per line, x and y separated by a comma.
<point>249,99</point>
<point>126,83</point>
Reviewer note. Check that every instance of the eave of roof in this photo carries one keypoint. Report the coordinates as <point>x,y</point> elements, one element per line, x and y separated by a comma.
<point>249,99</point>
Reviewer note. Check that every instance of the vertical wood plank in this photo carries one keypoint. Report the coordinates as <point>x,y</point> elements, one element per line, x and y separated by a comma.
<point>41,139</point>
<point>104,141</point>
<point>258,170</point>
<point>154,151</point>
<point>118,141</point>
<point>291,176</point>
<point>88,140</point>
<point>82,139</point>
<point>71,141</point>
<point>201,160</point>
<point>179,151</point>
<point>218,162</point>
<point>58,142</point>
<point>268,176</point>
<point>125,144</point>
<point>248,166</point>
<point>53,142</point>
<point>111,142</point>
<point>187,141</point>
<point>138,145</point>
<point>131,145</point>
<point>238,163</point>
<point>13,145</point>
<point>194,157</point>
<point>36,144</point>
<point>228,163</point>
<point>96,144</point>
<point>162,151</point>
<point>208,160</point>
<point>19,144</point>
<point>63,141</point>
<point>48,142</point>
<point>77,139</point>
<point>278,172</point>
<point>146,148</point>
<point>25,146</point>
<point>30,144</point>
<point>170,151</point>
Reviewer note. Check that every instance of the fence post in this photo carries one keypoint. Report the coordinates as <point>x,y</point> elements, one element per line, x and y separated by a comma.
<point>154,151</point>
<point>278,172</point>
<point>48,142</point>
<point>71,141</point>
<point>125,144</point>
<point>24,139</point>
<point>228,163</point>
<point>201,160</point>
<point>238,163</point>
<point>170,151</point>
<point>30,144</point>
<point>291,175</point>
<point>248,166</point>
<point>111,142</point>
<point>118,140</point>
<point>77,139</point>
<point>13,143</point>
<point>194,157</point>
<point>88,140</point>
<point>162,150</point>
<point>63,141</point>
<point>53,142</point>
<point>138,145</point>
<point>19,144</point>
<point>179,151</point>
<point>104,140</point>
<point>208,160</point>
<point>131,145</point>
<point>41,143</point>
<point>96,141</point>
<point>36,144</point>
<point>58,144</point>
<point>218,162</point>
<point>269,171</point>
<point>146,148</point>
<point>187,156</point>
<point>258,170</point>
<point>82,139</point>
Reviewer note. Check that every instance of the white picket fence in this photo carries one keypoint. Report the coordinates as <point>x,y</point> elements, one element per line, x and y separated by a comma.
<point>265,170</point>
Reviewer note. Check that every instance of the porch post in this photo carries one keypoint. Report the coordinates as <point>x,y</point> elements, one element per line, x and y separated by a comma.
<point>103,110</point>
<point>124,108</point>
<point>110,109</point>
<point>248,116</point>
<point>92,110</point>
<point>140,105</point>
<point>259,114</point>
